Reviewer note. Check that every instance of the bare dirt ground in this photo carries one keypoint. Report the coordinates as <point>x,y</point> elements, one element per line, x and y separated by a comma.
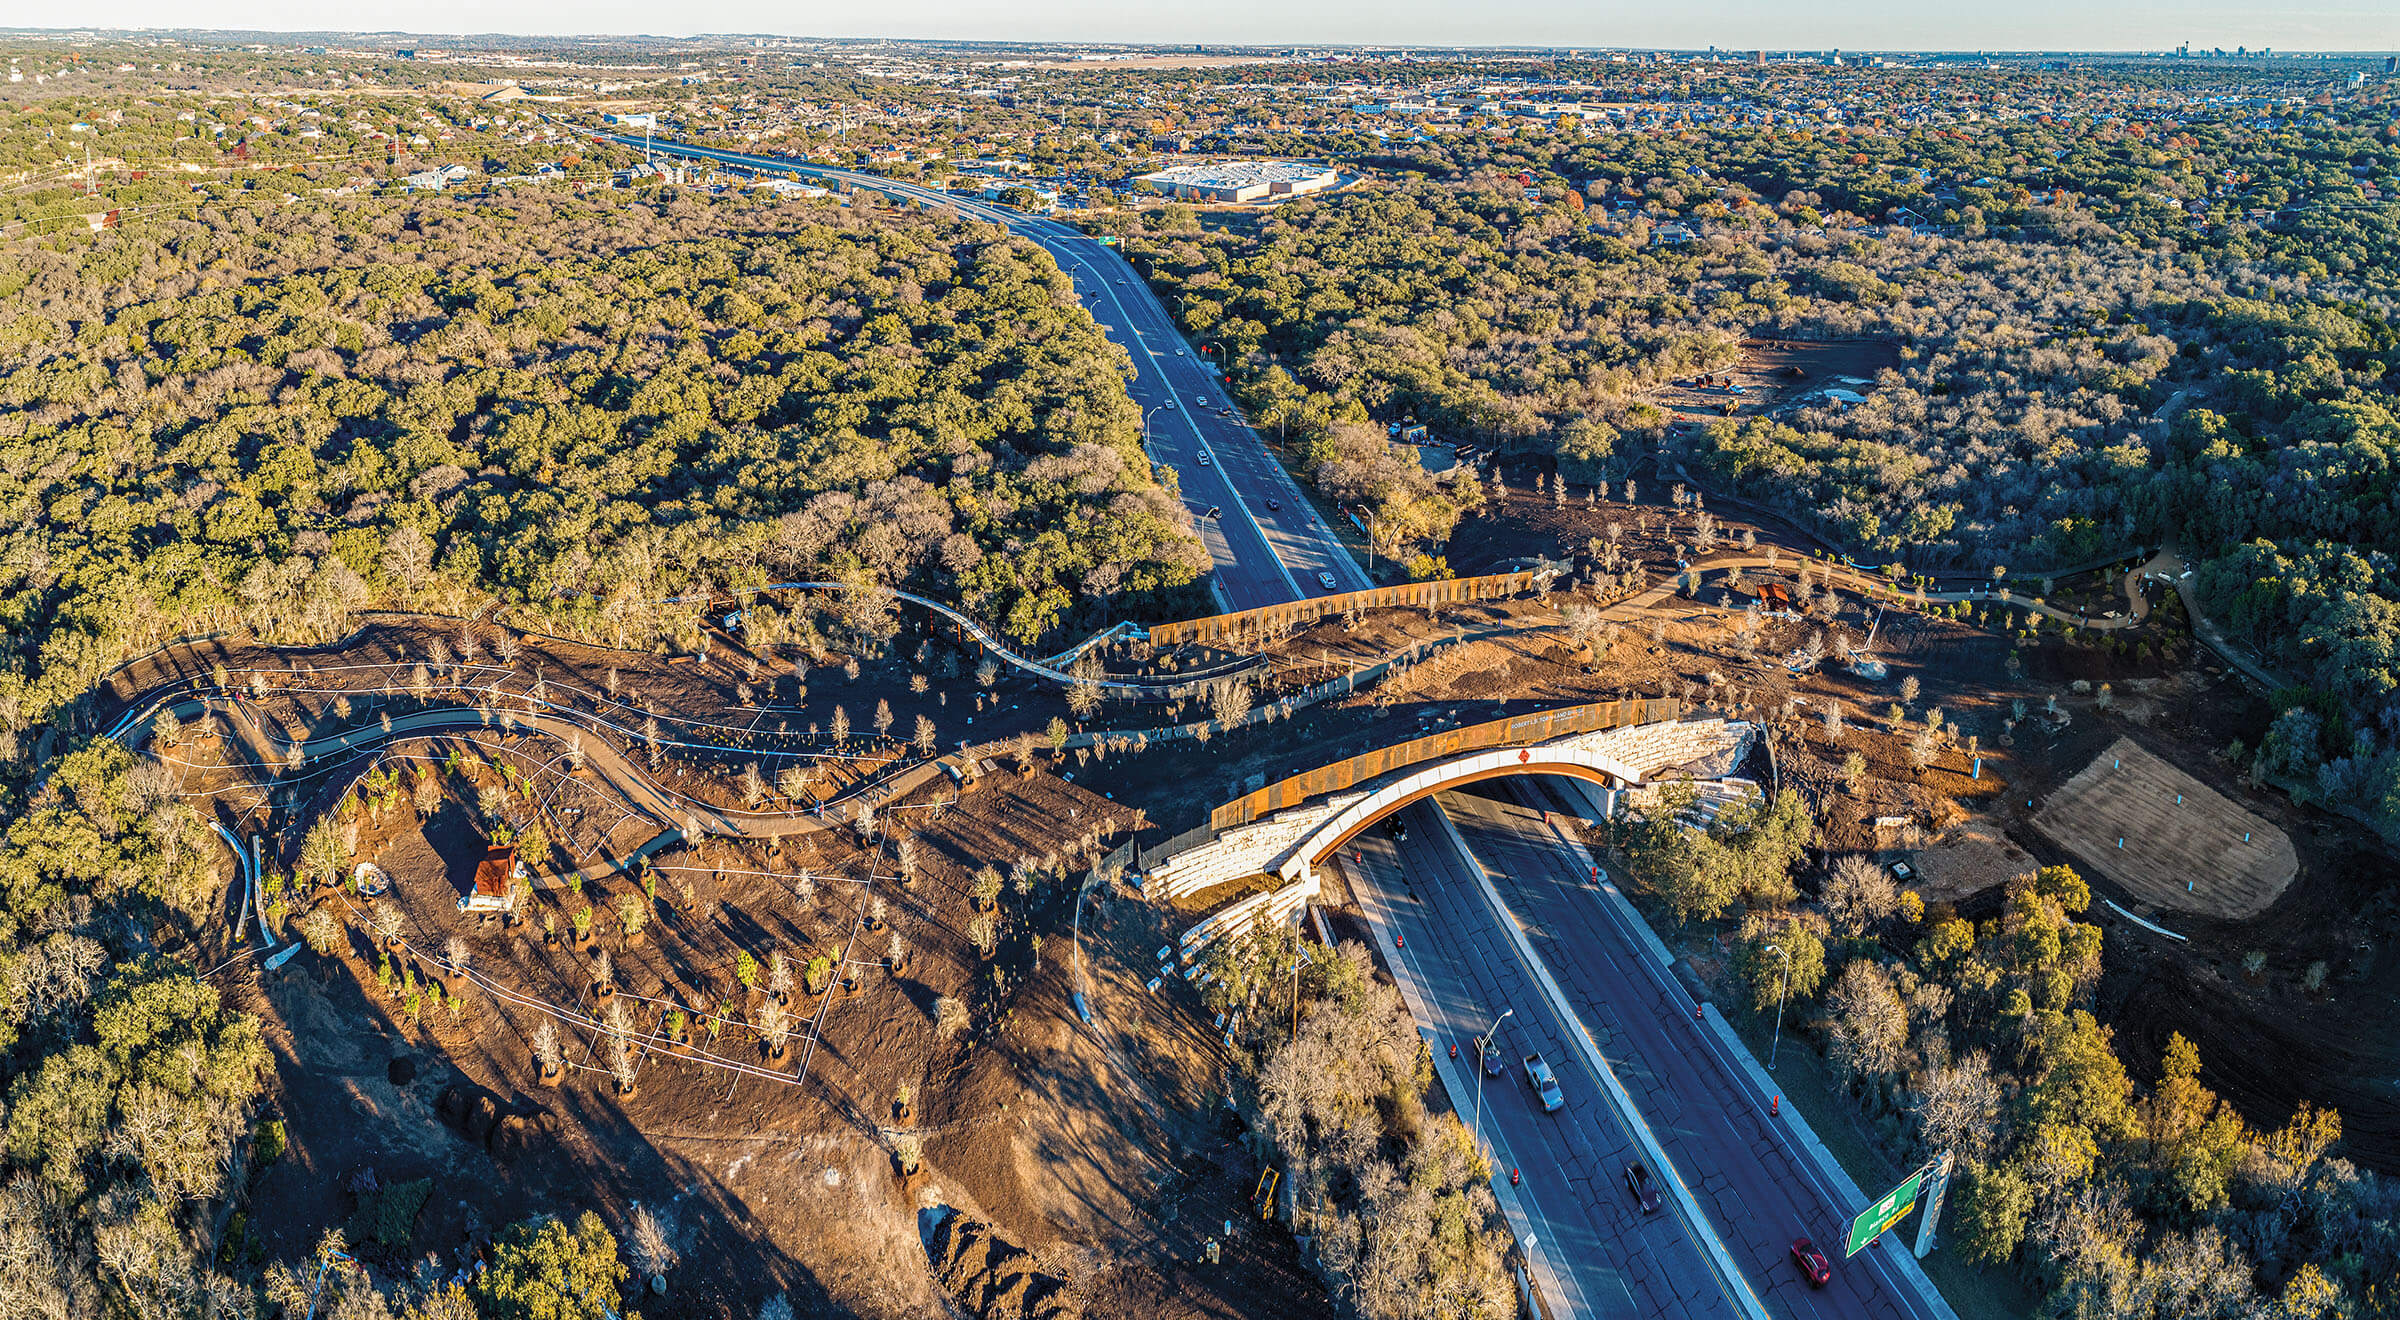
<point>1966,860</point>
<point>1095,1148</point>
<point>1774,372</point>
<point>1082,1148</point>
<point>2166,838</point>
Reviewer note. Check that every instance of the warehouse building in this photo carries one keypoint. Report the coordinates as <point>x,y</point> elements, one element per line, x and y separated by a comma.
<point>1242,181</point>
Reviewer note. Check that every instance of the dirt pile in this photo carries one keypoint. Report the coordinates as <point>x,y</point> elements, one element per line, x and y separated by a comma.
<point>992,1278</point>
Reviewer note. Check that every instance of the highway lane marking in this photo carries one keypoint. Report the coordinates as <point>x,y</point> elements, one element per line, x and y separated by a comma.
<point>1732,1281</point>
<point>1050,238</point>
<point>1564,1279</point>
<point>1814,1178</point>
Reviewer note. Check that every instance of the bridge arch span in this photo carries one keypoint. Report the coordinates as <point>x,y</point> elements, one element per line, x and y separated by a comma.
<point>1345,824</point>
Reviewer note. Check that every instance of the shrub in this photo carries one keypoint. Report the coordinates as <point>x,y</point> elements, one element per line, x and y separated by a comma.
<point>269,1143</point>
<point>322,930</point>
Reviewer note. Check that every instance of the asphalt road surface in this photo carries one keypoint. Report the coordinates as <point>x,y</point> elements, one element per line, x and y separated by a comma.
<point>1594,1253</point>
<point>1749,1183</point>
<point>1267,541</point>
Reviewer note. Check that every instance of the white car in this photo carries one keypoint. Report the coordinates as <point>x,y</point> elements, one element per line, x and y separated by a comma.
<point>1203,400</point>
<point>1205,460</point>
<point>1326,581</point>
<point>1179,352</point>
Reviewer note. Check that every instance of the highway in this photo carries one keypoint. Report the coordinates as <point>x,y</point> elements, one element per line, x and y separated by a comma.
<point>1593,1253</point>
<point>1267,542</point>
<point>1756,1191</point>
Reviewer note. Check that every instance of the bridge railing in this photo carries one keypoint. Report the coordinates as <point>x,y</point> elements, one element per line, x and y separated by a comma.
<point>1191,838</point>
<point>1275,618</point>
<point>1539,726</point>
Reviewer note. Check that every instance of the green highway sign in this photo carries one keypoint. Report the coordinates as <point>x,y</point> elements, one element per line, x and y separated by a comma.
<point>1888,1210</point>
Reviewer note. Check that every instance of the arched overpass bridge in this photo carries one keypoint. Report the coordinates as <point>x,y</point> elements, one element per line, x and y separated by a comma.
<point>1561,758</point>
<point>1288,844</point>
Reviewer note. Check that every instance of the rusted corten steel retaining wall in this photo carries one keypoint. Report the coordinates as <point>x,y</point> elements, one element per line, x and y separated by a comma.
<point>1217,627</point>
<point>1540,726</point>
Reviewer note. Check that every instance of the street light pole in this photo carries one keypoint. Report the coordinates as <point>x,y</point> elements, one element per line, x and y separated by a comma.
<point>1483,1046</point>
<point>1781,983</point>
<point>1146,425</point>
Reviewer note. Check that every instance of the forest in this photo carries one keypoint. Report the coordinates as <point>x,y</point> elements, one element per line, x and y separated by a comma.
<point>570,406</point>
<point>2110,336</point>
<point>1977,1037</point>
<point>575,406</point>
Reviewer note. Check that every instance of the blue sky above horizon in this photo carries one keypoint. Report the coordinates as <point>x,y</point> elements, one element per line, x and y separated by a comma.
<point>2315,25</point>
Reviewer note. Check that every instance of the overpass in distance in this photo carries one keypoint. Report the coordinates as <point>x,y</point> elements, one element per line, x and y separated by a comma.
<point>1268,543</point>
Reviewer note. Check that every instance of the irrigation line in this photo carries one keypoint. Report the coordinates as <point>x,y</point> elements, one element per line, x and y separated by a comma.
<point>816,1028</point>
<point>571,1016</point>
<point>771,875</point>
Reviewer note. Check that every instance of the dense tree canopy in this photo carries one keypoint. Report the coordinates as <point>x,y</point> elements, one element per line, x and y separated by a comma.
<point>580,406</point>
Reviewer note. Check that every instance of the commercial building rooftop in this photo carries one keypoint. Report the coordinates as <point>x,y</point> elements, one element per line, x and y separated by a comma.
<point>1242,181</point>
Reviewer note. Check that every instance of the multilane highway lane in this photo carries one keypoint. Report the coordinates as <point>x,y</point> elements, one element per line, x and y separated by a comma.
<point>1262,555</point>
<point>1593,1252</point>
<point>1752,1186</point>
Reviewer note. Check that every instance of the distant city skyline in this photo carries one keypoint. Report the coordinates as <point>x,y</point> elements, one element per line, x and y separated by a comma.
<point>2029,25</point>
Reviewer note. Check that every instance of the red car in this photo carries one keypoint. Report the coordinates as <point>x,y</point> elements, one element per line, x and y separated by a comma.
<point>1812,1262</point>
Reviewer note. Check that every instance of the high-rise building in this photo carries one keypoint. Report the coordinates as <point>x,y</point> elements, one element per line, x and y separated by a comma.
<point>1758,59</point>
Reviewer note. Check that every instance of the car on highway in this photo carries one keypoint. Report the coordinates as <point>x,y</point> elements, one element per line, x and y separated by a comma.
<point>1491,1056</point>
<point>1326,581</point>
<point>1273,505</point>
<point>1203,400</point>
<point>1169,405</point>
<point>1812,1263</point>
<point>1545,1083</point>
<point>1642,1187</point>
<point>1205,459</point>
<point>1395,828</point>
<point>1179,353</point>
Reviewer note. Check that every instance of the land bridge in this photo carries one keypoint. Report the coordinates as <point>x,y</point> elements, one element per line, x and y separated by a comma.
<point>1282,832</point>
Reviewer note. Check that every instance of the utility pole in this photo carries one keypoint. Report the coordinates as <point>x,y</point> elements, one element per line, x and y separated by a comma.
<point>1483,1047</point>
<point>1781,984</point>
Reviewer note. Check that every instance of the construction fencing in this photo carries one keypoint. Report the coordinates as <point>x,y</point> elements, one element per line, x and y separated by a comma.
<point>1271,619</point>
<point>1517,730</point>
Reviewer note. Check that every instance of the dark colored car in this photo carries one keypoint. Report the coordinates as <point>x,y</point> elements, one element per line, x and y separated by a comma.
<point>1273,505</point>
<point>1491,1057</point>
<point>1812,1263</point>
<point>1642,1186</point>
<point>1394,827</point>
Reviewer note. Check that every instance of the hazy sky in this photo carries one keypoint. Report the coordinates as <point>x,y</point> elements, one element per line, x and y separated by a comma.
<point>1733,24</point>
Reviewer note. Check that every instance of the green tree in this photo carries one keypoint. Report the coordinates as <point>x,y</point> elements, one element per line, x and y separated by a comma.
<point>543,1269</point>
<point>1768,974</point>
<point>1992,1204</point>
<point>2080,1081</point>
<point>1749,851</point>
